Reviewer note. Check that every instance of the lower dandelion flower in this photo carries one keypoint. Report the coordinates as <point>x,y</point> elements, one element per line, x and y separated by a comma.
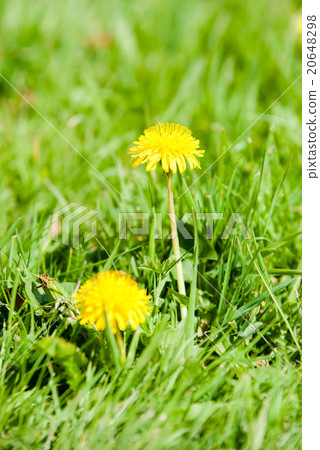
<point>115,295</point>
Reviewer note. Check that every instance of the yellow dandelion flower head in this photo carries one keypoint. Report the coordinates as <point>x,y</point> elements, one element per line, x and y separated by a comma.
<point>113,294</point>
<point>169,144</point>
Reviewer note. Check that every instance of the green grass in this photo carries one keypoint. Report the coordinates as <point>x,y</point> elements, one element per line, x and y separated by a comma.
<point>100,73</point>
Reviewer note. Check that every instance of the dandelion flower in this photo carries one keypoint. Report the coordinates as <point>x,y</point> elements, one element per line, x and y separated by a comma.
<point>169,144</point>
<point>116,295</point>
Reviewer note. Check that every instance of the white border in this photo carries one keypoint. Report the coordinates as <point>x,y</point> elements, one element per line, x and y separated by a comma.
<point>311,248</point>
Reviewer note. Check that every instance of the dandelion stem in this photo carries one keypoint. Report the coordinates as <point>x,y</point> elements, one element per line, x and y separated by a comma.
<point>114,349</point>
<point>121,346</point>
<point>175,244</point>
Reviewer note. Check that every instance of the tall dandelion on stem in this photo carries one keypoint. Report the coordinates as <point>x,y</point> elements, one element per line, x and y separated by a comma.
<point>170,145</point>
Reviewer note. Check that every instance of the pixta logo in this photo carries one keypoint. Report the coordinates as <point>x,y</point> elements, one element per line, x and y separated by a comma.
<point>66,224</point>
<point>140,224</point>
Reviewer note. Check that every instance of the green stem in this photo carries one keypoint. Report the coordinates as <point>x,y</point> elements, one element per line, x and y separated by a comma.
<point>190,322</point>
<point>123,355</point>
<point>114,349</point>
<point>175,244</point>
<point>157,291</point>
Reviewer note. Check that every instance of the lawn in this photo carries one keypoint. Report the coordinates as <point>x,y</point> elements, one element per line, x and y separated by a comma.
<point>79,82</point>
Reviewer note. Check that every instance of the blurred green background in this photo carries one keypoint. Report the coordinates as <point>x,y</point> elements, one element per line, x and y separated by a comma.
<point>103,71</point>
